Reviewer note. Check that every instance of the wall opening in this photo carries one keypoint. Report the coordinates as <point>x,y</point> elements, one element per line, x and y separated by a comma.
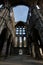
<point>20,13</point>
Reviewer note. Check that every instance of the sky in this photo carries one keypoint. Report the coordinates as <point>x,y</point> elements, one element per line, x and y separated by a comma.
<point>0,6</point>
<point>20,13</point>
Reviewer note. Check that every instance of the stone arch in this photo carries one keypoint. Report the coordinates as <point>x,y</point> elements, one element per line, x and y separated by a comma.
<point>14,3</point>
<point>22,15</point>
<point>3,37</point>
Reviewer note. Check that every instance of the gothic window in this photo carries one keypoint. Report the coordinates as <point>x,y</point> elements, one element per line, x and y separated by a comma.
<point>20,31</point>
<point>17,31</point>
<point>20,41</point>
<point>20,36</point>
<point>16,40</point>
<point>24,41</point>
<point>23,31</point>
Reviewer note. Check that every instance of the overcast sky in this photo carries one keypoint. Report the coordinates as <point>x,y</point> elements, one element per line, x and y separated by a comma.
<point>20,13</point>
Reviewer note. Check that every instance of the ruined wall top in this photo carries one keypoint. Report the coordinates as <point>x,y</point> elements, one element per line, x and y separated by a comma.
<point>21,2</point>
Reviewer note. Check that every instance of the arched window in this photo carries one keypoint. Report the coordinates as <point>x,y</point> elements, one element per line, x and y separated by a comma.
<point>20,31</point>
<point>20,36</point>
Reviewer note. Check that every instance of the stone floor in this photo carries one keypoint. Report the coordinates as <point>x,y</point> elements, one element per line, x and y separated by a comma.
<point>20,60</point>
